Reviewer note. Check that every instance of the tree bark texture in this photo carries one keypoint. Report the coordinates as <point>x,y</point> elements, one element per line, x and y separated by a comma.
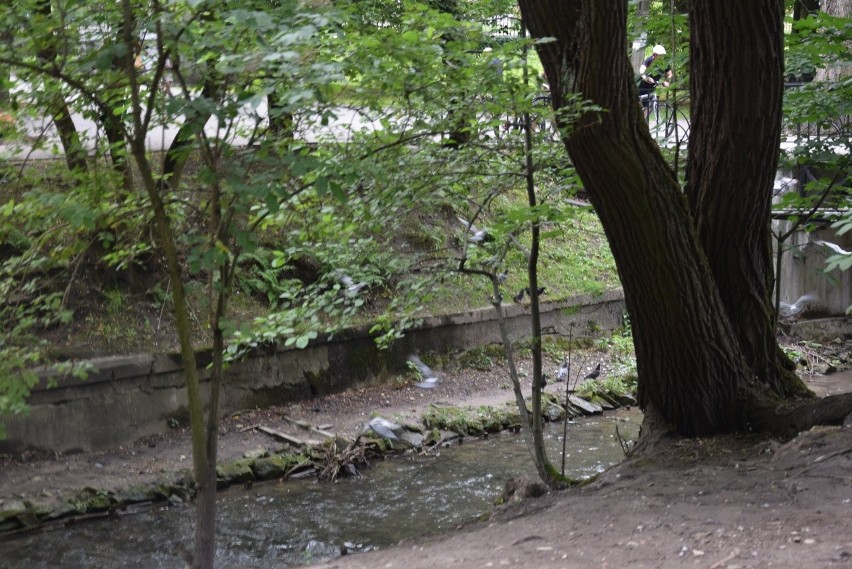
<point>736,89</point>
<point>690,366</point>
<point>75,154</point>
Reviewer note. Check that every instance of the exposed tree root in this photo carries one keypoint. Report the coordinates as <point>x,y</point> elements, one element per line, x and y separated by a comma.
<point>797,416</point>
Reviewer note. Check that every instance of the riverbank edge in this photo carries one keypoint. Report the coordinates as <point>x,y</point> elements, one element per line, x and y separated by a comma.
<point>439,425</point>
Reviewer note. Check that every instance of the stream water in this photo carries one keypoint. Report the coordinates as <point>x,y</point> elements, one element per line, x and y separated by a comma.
<point>301,521</point>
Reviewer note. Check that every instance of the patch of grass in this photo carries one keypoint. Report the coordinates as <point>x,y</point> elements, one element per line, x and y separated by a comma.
<point>481,358</point>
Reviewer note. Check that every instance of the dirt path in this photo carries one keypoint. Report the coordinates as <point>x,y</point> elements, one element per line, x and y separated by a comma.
<point>721,503</point>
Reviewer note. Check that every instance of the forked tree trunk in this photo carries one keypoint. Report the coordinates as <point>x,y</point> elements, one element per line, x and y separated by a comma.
<point>707,361</point>
<point>735,134</point>
<point>690,367</point>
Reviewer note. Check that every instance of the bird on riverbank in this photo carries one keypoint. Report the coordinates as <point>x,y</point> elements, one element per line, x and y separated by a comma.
<point>540,290</point>
<point>594,374</point>
<point>384,428</point>
<point>519,297</point>
<point>563,370</point>
<point>430,380</point>
<point>789,310</point>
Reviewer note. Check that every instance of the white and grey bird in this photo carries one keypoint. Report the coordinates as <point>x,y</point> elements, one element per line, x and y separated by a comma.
<point>384,428</point>
<point>429,380</point>
<point>786,310</point>
<point>833,247</point>
<point>349,285</point>
<point>562,372</point>
<point>476,235</point>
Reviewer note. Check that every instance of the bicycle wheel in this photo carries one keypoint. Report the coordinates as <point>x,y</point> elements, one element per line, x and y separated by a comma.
<point>675,130</point>
<point>657,121</point>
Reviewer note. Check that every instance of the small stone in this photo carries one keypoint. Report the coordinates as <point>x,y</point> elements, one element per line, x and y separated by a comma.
<point>810,541</point>
<point>697,553</point>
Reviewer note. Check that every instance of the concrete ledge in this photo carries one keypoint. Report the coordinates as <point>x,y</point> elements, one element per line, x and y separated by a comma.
<point>131,397</point>
<point>821,329</point>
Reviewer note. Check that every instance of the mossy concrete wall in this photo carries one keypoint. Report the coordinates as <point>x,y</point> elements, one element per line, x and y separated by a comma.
<point>131,397</point>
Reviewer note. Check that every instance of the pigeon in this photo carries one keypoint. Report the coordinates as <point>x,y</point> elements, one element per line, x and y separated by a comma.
<point>563,370</point>
<point>519,297</point>
<point>789,310</point>
<point>594,373</point>
<point>833,247</point>
<point>384,428</point>
<point>430,383</point>
<point>540,290</point>
<point>476,235</point>
<point>430,380</point>
<point>352,288</point>
<point>543,380</point>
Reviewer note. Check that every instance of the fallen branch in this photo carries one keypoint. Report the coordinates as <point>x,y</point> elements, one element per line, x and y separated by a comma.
<point>308,427</point>
<point>287,438</point>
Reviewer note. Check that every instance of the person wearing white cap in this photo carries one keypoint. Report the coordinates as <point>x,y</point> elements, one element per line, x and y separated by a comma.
<point>649,78</point>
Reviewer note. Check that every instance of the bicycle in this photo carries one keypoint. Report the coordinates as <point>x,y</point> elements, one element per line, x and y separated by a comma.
<point>667,126</point>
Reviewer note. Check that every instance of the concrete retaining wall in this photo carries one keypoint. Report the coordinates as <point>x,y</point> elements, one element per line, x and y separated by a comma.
<point>131,397</point>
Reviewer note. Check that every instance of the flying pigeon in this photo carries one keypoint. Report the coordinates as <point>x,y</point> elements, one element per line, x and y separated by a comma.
<point>594,373</point>
<point>834,247</point>
<point>430,380</point>
<point>352,288</point>
<point>789,310</point>
<point>563,370</point>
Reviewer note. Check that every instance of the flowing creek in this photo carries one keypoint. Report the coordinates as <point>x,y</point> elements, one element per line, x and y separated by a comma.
<point>301,521</point>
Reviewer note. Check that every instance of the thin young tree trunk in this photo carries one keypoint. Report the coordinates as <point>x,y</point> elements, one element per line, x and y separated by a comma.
<point>204,468</point>
<point>75,153</point>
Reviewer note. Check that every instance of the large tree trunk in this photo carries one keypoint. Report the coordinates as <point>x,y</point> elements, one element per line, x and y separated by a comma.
<point>691,369</point>
<point>706,358</point>
<point>733,156</point>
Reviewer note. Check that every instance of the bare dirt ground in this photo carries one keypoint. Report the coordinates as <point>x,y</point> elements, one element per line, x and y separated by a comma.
<point>720,503</point>
<point>724,502</point>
